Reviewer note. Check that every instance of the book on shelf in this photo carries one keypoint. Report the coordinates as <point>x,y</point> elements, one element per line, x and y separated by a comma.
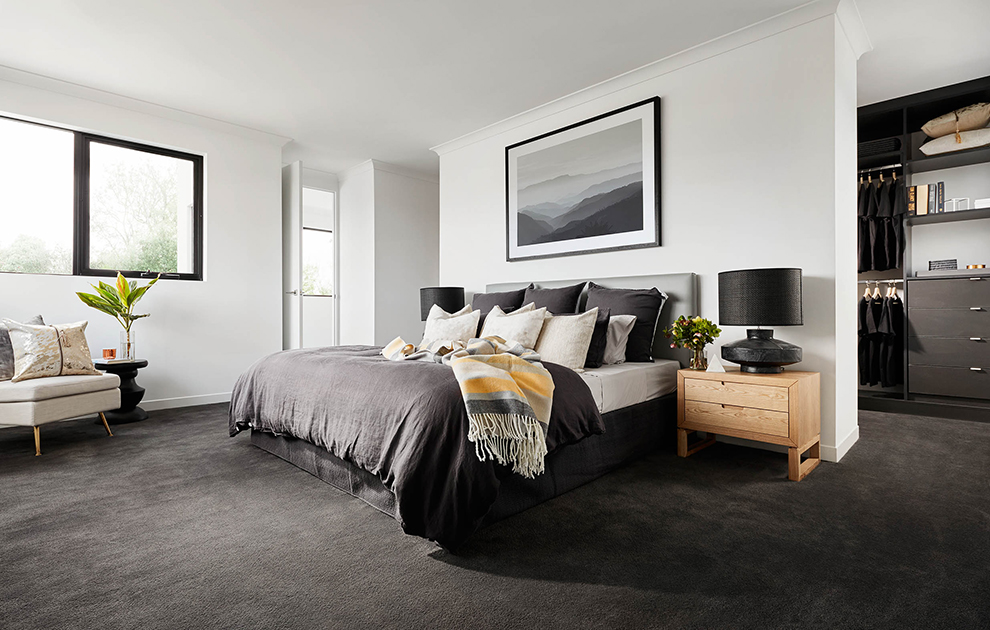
<point>941,198</point>
<point>932,198</point>
<point>922,199</point>
<point>912,200</point>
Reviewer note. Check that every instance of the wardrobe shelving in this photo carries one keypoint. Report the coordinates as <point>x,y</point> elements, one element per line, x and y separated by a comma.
<point>889,134</point>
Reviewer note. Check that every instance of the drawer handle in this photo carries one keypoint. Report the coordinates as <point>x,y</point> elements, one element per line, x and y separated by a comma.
<point>976,369</point>
<point>976,308</point>
<point>976,279</point>
<point>976,338</point>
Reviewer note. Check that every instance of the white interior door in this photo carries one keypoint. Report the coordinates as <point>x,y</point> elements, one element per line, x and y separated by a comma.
<point>292,256</point>
<point>319,268</point>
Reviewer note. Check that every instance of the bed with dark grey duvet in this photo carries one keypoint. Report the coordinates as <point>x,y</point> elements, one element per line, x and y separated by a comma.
<point>394,433</point>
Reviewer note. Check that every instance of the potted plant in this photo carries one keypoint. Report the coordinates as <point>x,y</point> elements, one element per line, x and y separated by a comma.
<point>694,333</point>
<point>118,302</point>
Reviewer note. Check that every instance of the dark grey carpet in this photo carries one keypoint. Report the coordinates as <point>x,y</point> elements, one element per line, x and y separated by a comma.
<point>172,524</point>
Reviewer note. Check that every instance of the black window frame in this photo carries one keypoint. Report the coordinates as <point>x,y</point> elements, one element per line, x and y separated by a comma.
<point>81,210</point>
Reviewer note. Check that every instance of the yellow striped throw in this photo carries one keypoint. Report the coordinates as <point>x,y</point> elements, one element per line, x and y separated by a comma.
<point>508,395</point>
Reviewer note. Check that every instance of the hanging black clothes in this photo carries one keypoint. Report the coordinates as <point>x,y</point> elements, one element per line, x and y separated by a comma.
<point>892,372</point>
<point>880,210</point>
<point>881,341</point>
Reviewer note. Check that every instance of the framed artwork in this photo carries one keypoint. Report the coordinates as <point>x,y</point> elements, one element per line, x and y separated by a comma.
<point>593,186</point>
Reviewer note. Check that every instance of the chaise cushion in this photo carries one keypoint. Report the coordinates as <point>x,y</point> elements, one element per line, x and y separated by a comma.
<point>55,387</point>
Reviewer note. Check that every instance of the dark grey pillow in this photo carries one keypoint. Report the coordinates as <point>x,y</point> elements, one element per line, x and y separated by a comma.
<point>645,304</point>
<point>508,301</point>
<point>596,351</point>
<point>7,350</point>
<point>562,301</point>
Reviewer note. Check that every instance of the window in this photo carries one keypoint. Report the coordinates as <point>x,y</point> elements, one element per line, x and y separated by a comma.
<point>83,204</point>
<point>317,251</point>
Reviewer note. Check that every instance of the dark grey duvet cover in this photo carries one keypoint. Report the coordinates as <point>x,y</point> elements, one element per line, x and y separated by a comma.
<point>404,421</point>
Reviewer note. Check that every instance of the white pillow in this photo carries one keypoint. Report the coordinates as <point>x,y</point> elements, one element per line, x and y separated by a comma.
<point>565,339</point>
<point>619,327</point>
<point>522,325</point>
<point>947,144</point>
<point>444,326</point>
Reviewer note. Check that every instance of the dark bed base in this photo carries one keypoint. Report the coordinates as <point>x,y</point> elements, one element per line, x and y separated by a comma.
<point>629,434</point>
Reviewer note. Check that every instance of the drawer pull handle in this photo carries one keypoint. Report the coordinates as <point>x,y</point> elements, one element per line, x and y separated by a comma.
<point>976,338</point>
<point>976,279</point>
<point>976,369</point>
<point>976,308</point>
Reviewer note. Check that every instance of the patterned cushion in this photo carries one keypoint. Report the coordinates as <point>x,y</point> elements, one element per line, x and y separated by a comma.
<point>444,326</point>
<point>964,119</point>
<point>41,351</point>
<point>7,350</point>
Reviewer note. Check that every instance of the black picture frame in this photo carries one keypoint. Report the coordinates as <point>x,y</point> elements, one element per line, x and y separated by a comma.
<point>655,173</point>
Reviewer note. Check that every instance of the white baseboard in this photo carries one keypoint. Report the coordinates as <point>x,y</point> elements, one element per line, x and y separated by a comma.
<point>836,453</point>
<point>184,401</point>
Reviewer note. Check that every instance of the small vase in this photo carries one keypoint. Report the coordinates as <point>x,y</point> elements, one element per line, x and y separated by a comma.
<point>127,345</point>
<point>698,360</point>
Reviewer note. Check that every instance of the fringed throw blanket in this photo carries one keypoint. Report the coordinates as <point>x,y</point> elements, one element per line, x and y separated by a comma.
<point>508,395</point>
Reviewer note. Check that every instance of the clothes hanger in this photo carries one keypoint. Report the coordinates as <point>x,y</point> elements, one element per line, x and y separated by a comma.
<point>866,293</point>
<point>876,291</point>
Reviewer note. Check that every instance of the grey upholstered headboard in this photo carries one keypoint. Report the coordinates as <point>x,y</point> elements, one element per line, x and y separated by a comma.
<point>682,299</point>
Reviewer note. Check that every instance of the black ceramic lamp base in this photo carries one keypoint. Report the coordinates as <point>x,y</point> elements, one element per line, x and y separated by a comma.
<point>760,353</point>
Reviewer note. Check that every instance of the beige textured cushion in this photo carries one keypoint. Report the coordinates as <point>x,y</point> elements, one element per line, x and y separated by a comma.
<point>565,339</point>
<point>947,144</point>
<point>444,326</point>
<point>41,351</point>
<point>522,325</point>
<point>56,387</point>
<point>973,117</point>
<point>619,327</point>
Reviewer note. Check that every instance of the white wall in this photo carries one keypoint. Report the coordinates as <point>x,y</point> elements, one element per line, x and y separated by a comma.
<point>201,335</point>
<point>407,242</point>
<point>758,155</point>
<point>389,248</point>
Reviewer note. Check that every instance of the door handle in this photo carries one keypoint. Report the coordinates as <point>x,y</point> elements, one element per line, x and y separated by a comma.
<point>292,292</point>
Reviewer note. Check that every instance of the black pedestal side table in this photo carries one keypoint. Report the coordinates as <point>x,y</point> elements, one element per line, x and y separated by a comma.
<point>130,392</point>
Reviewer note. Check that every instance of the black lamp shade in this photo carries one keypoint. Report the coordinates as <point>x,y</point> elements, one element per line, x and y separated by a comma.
<point>760,297</point>
<point>450,299</point>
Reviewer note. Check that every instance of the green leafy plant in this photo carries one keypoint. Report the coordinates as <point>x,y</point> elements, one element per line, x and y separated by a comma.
<point>693,333</point>
<point>118,301</point>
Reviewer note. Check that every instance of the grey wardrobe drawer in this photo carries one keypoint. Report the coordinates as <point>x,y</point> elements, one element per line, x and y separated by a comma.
<point>950,381</point>
<point>942,293</point>
<point>948,322</point>
<point>948,352</point>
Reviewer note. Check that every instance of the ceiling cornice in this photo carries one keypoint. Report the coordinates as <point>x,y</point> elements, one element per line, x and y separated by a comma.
<point>793,18</point>
<point>41,82</point>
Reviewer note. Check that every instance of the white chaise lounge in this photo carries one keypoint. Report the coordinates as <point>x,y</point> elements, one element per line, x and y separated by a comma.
<point>39,401</point>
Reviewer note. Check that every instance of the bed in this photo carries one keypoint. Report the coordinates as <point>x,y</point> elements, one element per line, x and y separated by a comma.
<point>403,450</point>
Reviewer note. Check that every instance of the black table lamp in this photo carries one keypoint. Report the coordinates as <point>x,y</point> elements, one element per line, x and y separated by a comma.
<point>450,299</point>
<point>760,297</point>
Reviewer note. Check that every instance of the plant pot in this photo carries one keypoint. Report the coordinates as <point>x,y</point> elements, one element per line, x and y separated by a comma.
<point>698,360</point>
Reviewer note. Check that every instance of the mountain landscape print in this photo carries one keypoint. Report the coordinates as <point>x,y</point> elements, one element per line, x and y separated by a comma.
<point>590,186</point>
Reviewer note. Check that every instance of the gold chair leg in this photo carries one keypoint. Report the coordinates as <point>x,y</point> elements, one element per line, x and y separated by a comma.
<point>105,425</point>
<point>37,441</point>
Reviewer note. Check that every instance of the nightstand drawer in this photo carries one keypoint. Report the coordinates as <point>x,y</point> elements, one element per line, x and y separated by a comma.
<point>718,416</point>
<point>737,394</point>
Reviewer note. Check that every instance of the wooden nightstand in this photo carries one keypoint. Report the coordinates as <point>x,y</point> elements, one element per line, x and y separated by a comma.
<point>776,408</point>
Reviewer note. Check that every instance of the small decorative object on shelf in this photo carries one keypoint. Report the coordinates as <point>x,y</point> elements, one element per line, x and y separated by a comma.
<point>715,365</point>
<point>976,266</point>
<point>118,302</point>
<point>693,333</point>
<point>109,353</point>
<point>943,265</point>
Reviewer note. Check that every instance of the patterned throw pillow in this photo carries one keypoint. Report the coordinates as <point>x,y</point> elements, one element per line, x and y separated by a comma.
<point>565,339</point>
<point>40,351</point>
<point>7,350</point>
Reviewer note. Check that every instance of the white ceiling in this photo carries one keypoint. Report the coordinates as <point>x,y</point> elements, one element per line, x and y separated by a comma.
<point>351,80</point>
<point>922,44</point>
